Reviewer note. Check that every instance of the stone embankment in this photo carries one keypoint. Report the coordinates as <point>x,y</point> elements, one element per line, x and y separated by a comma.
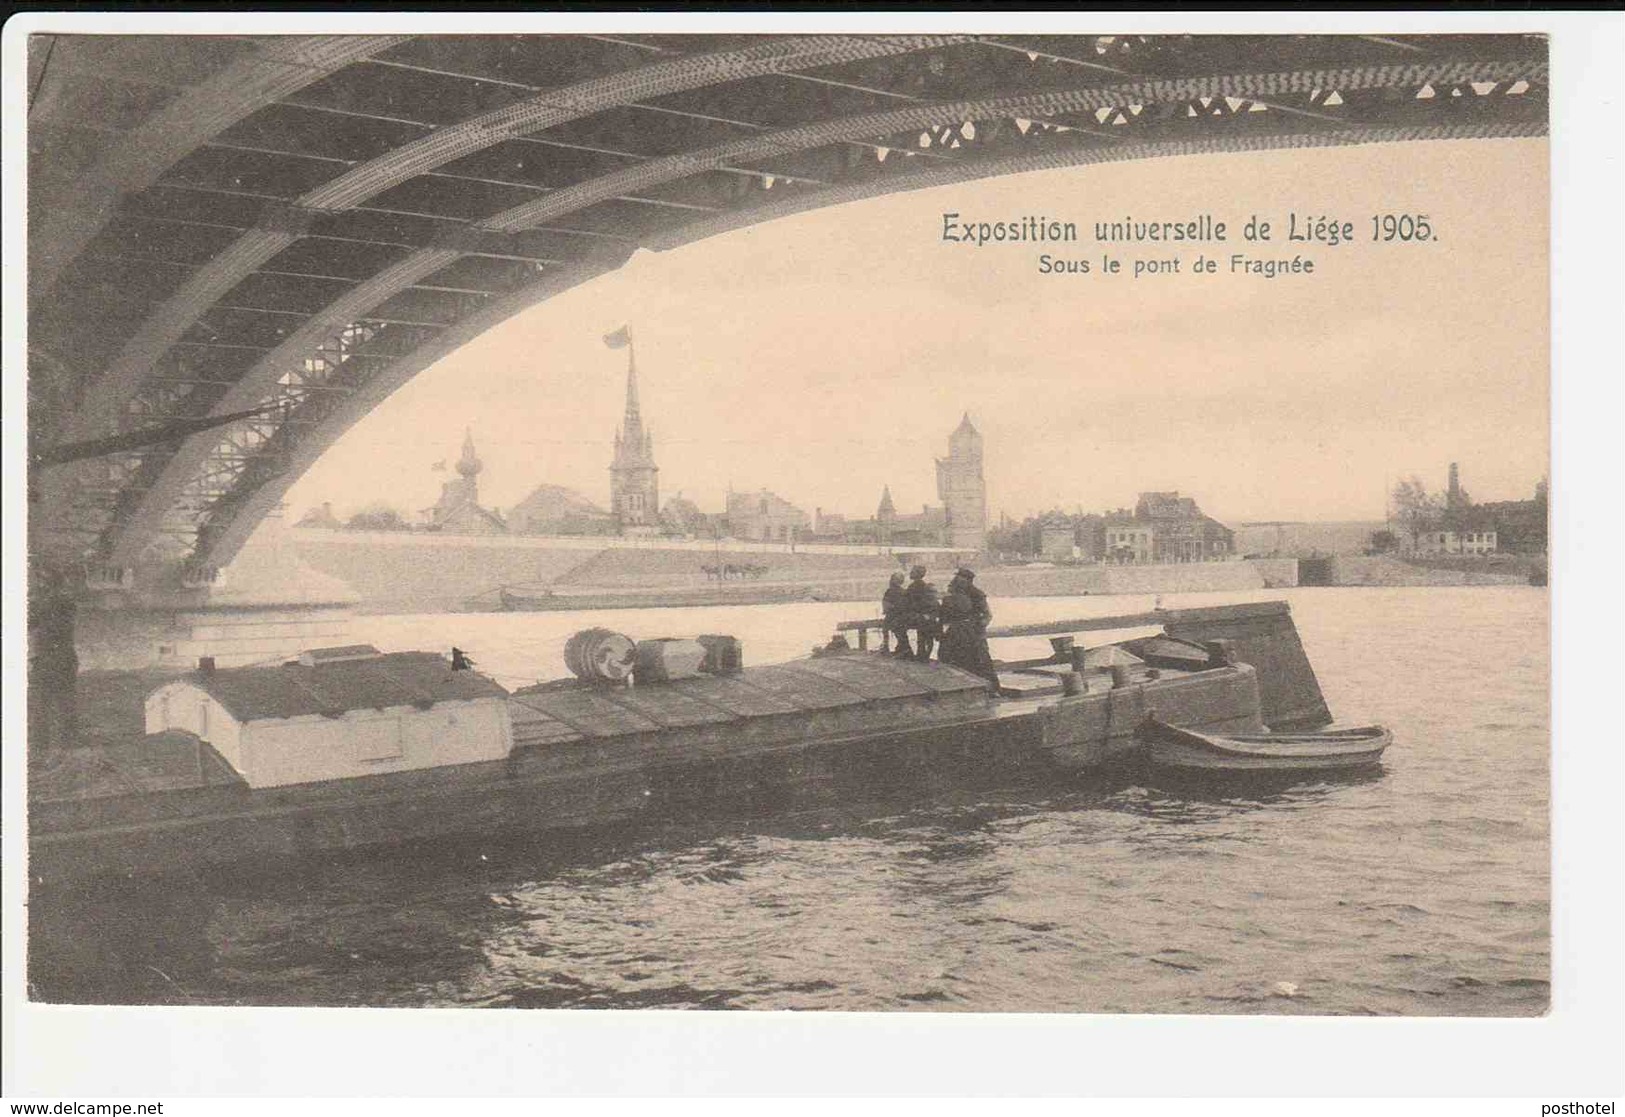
<point>1385,570</point>
<point>1198,577</point>
<point>418,574</point>
<point>431,574</point>
<point>440,573</point>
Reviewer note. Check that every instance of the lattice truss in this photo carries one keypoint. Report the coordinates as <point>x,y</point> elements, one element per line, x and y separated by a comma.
<point>303,224</point>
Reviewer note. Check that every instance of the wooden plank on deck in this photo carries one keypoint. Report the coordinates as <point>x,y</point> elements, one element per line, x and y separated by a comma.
<point>806,690</point>
<point>533,727</point>
<point>937,677</point>
<point>668,707</point>
<point>736,695</point>
<point>865,674</point>
<point>586,710</point>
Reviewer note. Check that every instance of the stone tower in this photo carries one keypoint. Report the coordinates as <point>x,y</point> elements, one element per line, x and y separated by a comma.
<point>1452,496</point>
<point>634,484</point>
<point>961,489</point>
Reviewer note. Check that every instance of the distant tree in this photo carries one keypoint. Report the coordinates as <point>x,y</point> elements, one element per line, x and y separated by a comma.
<point>681,516</point>
<point>319,516</point>
<point>1383,542</point>
<point>1090,534</point>
<point>1415,508</point>
<point>1018,539</point>
<point>377,517</point>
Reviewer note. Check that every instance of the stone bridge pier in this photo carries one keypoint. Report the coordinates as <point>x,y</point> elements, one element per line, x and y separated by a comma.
<point>166,613</point>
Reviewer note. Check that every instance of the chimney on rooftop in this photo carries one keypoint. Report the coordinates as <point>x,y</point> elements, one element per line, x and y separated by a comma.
<point>205,664</point>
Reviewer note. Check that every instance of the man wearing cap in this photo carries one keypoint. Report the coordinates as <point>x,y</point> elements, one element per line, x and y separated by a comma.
<point>894,606</point>
<point>920,608</point>
<point>967,578</point>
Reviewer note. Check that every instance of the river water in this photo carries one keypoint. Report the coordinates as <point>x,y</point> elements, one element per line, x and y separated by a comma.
<point>1423,890</point>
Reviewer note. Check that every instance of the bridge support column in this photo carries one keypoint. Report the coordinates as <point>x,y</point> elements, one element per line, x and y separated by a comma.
<point>265,606</point>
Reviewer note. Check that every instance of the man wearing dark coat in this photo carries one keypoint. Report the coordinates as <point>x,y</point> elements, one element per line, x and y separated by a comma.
<point>920,605</point>
<point>965,612</point>
<point>894,606</point>
<point>966,577</point>
<point>955,614</point>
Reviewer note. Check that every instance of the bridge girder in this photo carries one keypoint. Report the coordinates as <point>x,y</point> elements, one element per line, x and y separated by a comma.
<point>333,284</point>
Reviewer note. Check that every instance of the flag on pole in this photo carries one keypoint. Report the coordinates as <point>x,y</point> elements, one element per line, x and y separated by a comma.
<point>619,339</point>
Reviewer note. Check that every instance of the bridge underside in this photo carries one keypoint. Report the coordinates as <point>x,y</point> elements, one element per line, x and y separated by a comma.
<point>302,224</point>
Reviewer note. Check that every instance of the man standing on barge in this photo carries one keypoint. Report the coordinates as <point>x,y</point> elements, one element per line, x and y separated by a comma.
<point>921,604</point>
<point>894,607</point>
<point>965,644</point>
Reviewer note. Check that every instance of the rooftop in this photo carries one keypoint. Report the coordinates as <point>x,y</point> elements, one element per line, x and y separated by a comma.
<point>335,686</point>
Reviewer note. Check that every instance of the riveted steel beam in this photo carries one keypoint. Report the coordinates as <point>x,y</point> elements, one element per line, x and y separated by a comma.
<point>144,517</point>
<point>872,125</point>
<point>283,66</point>
<point>121,380</point>
<point>229,525</point>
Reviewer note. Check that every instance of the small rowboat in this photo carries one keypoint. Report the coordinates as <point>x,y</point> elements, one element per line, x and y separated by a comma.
<point>1325,750</point>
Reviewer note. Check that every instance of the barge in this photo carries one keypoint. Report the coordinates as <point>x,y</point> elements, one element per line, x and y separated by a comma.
<point>352,748</point>
<point>532,600</point>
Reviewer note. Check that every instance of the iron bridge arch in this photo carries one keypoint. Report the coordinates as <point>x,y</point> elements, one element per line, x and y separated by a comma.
<point>300,225</point>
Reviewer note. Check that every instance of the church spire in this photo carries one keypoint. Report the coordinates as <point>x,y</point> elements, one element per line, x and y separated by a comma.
<point>634,488</point>
<point>633,415</point>
<point>469,464</point>
<point>634,439</point>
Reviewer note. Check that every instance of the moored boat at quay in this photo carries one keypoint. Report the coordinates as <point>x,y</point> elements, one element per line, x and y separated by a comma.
<point>352,748</point>
<point>544,600</point>
<point>1331,750</point>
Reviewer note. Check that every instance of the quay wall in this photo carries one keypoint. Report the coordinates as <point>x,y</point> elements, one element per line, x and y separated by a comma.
<point>408,575</point>
<point>1385,570</point>
<point>1519,566</point>
<point>400,573</point>
<point>1066,581</point>
<point>1346,537</point>
<point>1277,573</point>
<point>616,569</point>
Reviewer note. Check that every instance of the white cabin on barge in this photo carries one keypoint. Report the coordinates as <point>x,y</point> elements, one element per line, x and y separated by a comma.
<point>338,713</point>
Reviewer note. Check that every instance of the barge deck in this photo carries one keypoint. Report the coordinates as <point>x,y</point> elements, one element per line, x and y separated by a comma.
<point>581,755</point>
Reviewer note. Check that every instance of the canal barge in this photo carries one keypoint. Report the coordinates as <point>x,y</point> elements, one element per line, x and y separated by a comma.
<point>352,748</point>
<point>518,599</point>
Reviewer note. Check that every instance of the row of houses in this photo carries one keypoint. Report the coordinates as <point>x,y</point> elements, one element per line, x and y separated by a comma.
<point>1448,542</point>
<point>1462,527</point>
<point>1163,527</point>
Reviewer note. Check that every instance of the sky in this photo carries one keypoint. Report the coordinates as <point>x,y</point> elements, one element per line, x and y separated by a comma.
<point>828,354</point>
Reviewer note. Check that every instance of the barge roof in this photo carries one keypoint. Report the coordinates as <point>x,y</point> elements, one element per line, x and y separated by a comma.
<point>292,690</point>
